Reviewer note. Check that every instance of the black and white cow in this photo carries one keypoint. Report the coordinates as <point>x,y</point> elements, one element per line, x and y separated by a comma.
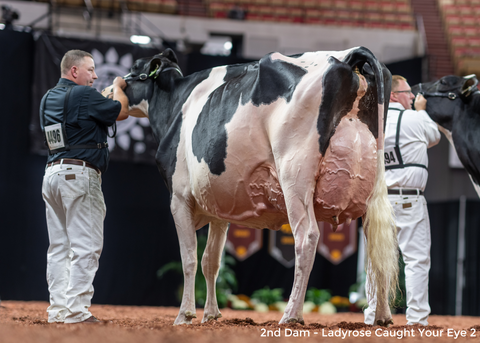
<point>453,102</point>
<point>283,140</point>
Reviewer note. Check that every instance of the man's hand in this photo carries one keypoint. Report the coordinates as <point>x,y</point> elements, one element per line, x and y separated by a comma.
<point>120,82</point>
<point>108,92</point>
<point>420,103</point>
<point>119,85</point>
<point>115,92</point>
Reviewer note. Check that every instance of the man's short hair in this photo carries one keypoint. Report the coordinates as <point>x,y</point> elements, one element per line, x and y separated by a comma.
<point>395,81</point>
<point>71,58</point>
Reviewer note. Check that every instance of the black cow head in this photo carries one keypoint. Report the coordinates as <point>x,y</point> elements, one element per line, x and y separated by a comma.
<point>145,74</point>
<point>446,95</point>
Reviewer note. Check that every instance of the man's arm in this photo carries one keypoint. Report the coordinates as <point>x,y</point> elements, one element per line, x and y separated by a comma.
<point>430,127</point>
<point>119,85</point>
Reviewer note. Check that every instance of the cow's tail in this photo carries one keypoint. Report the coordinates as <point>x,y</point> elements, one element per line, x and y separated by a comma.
<point>379,223</point>
<point>382,246</point>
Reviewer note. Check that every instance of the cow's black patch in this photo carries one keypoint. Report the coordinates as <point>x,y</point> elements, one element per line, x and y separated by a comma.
<point>166,122</point>
<point>138,91</point>
<point>260,83</point>
<point>340,87</point>
<point>368,113</point>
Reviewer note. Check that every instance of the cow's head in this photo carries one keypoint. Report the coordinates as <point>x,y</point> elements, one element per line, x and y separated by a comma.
<point>145,74</point>
<point>446,95</point>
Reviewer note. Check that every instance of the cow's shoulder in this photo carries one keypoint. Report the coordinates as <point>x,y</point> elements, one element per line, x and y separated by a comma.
<point>187,84</point>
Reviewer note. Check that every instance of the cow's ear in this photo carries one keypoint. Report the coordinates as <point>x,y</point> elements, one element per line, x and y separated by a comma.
<point>469,85</point>
<point>168,53</point>
<point>154,65</point>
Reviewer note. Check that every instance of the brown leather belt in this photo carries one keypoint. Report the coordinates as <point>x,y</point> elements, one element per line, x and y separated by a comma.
<point>75,162</point>
<point>405,191</point>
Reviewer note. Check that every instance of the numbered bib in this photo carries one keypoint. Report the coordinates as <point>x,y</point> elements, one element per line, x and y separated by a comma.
<point>391,157</point>
<point>54,135</point>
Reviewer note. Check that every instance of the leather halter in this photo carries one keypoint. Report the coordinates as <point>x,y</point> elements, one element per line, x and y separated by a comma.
<point>153,74</point>
<point>451,95</point>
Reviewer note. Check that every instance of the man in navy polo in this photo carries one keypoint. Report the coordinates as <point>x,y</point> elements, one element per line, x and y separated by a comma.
<point>75,119</point>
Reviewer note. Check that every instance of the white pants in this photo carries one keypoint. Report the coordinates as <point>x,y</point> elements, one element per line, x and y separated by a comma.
<point>75,210</point>
<point>413,231</point>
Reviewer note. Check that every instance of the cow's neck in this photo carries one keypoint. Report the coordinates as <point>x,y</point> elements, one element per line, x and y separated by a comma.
<point>163,109</point>
<point>165,114</point>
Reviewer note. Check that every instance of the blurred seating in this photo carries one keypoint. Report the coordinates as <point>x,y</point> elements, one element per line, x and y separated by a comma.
<point>158,6</point>
<point>462,27</point>
<point>387,14</point>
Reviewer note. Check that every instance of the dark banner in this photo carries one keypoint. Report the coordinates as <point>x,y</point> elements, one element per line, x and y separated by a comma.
<point>334,246</point>
<point>243,242</point>
<point>134,141</point>
<point>282,246</point>
<point>337,246</point>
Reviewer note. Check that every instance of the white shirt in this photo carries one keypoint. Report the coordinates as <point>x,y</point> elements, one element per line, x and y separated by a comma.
<point>417,133</point>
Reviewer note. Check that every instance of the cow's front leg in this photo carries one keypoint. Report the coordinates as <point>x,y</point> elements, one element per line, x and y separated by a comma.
<point>306,233</point>
<point>211,260</point>
<point>188,249</point>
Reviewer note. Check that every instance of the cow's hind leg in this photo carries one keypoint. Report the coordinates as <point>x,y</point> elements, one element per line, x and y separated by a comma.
<point>188,249</point>
<point>306,233</point>
<point>210,266</point>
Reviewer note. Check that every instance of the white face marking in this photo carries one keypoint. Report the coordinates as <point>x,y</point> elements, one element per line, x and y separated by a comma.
<point>139,110</point>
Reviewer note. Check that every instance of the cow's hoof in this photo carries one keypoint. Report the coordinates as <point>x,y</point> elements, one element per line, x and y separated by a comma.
<point>190,315</point>
<point>209,317</point>
<point>385,322</point>
<point>293,321</point>
<point>186,318</point>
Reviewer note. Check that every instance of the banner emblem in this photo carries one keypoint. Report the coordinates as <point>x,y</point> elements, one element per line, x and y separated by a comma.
<point>339,245</point>
<point>242,241</point>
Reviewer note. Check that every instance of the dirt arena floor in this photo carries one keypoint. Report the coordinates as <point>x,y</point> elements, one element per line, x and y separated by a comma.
<point>26,322</point>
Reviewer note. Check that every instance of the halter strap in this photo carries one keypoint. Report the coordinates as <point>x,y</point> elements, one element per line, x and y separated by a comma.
<point>153,74</point>
<point>450,95</point>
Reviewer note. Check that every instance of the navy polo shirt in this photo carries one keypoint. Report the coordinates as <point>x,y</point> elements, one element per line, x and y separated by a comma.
<point>88,116</point>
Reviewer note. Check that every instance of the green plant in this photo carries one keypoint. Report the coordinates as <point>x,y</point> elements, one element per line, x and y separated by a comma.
<point>268,296</point>
<point>318,296</point>
<point>226,280</point>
